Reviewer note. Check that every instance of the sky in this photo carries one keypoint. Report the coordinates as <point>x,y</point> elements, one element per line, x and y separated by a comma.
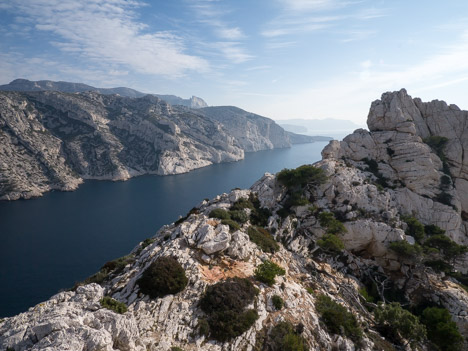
<point>282,59</point>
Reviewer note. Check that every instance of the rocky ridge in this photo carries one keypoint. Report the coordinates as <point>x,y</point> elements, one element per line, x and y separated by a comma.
<point>69,87</point>
<point>53,140</point>
<point>367,189</point>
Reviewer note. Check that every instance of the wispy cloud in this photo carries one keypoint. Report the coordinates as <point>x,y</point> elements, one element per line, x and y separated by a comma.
<point>210,13</point>
<point>305,16</point>
<point>108,31</point>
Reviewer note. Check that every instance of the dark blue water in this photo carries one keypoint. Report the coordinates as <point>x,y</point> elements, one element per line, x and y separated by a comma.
<point>49,243</point>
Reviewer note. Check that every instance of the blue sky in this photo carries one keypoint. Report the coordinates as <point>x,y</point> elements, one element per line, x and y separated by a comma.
<point>279,58</point>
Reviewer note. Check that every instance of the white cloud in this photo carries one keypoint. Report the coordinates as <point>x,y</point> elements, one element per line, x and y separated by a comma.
<point>233,52</point>
<point>109,31</point>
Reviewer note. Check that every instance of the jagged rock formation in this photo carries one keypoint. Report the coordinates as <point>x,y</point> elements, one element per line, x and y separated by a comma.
<point>68,87</point>
<point>367,189</point>
<point>53,140</point>
<point>252,131</point>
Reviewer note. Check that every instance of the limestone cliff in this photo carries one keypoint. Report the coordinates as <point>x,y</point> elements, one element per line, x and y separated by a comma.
<point>367,193</point>
<point>52,140</point>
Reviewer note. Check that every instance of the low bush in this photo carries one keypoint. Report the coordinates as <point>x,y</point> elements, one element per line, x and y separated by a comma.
<point>432,229</point>
<point>299,177</point>
<point>446,246</point>
<point>414,227</point>
<point>240,216</point>
<point>113,305</point>
<point>285,337</point>
<point>277,302</point>
<point>225,303</point>
<point>263,239</point>
<point>163,277</point>
<point>219,213</point>
<point>441,330</point>
<point>397,323</point>
<point>328,221</point>
<point>267,272</point>
<point>242,204</point>
<point>331,242</point>
<point>338,319</point>
<point>233,226</point>
<point>406,250</point>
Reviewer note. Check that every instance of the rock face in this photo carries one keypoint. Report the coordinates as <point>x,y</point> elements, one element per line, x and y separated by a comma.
<point>253,132</point>
<point>52,140</point>
<point>68,87</point>
<point>369,196</point>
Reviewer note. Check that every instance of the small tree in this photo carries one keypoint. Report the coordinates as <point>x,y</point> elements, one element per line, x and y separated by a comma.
<point>441,330</point>
<point>400,323</point>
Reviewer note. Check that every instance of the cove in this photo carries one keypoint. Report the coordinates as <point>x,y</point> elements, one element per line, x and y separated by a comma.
<point>49,243</point>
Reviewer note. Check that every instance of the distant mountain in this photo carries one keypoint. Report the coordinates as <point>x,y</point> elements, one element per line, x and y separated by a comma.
<point>314,126</point>
<point>68,87</point>
<point>253,132</point>
<point>305,139</point>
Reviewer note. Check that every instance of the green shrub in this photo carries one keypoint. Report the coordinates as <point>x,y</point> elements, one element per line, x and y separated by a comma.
<point>364,293</point>
<point>241,204</point>
<point>432,229</point>
<point>113,305</point>
<point>267,271</point>
<point>338,319</point>
<point>260,216</point>
<point>233,226</point>
<point>296,199</point>
<point>219,213</point>
<point>284,337</point>
<point>328,221</point>
<point>163,277</point>
<point>225,303</point>
<point>406,250</point>
<point>203,327</point>
<point>239,216</point>
<point>398,323</point>
<point>439,265</point>
<point>263,239</point>
<point>277,301</point>
<point>447,246</point>
<point>299,177</point>
<point>441,330</point>
<point>331,242</point>
<point>415,228</point>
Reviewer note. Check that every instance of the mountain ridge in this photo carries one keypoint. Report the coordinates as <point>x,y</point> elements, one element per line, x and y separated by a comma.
<point>327,255</point>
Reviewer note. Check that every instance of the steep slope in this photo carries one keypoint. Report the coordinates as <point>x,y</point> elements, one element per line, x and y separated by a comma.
<point>252,131</point>
<point>68,87</point>
<point>339,226</point>
<point>53,140</point>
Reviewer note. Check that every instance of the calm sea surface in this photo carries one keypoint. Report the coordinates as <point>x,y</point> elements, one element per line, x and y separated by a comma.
<point>49,243</point>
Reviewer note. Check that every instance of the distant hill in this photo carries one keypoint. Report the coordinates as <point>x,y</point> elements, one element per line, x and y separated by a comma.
<point>316,126</point>
<point>69,87</point>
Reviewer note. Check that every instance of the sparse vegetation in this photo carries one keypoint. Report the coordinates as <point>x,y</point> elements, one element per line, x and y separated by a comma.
<point>285,337</point>
<point>338,319</point>
<point>397,324</point>
<point>219,213</point>
<point>406,250</point>
<point>113,305</point>
<point>233,226</point>
<point>267,271</point>
<point>277,302</point>
<point>263,239</point>
<point>163,277</point>
<point>301,176</point>
<point>331,242</point>
<point>240,216</point>
<point>414,227</point>
<point>332,225</point>
<point>225,303</point>
<point>441,330</point>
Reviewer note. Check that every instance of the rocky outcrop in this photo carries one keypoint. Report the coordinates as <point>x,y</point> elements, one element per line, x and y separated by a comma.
<point>253,132</point>
<point>68,87</point>
<point>53,140</point>
<point>367,193</point>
